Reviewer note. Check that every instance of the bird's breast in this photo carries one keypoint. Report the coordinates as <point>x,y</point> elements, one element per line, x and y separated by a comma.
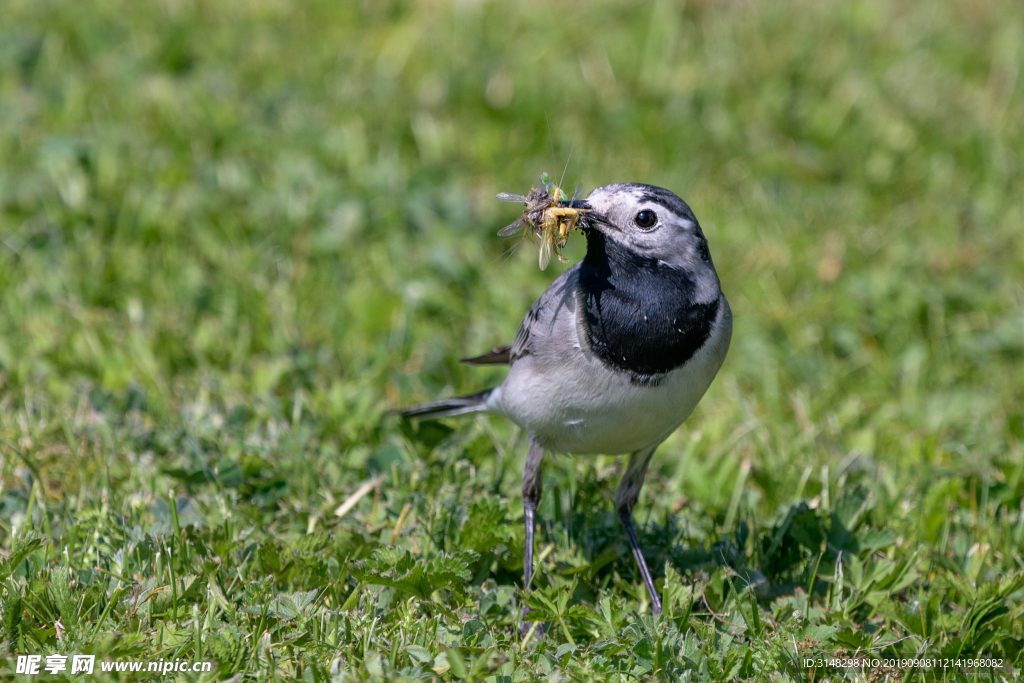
<point>579,405</point>
<point>641,316</point>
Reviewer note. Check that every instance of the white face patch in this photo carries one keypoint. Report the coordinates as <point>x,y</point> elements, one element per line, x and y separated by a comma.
<point>674,239</point>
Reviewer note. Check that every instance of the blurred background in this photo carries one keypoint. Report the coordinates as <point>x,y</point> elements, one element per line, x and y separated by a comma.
<point>257,201</point>
<point>237,229</point>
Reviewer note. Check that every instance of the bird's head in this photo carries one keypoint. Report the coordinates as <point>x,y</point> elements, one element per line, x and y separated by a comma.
<point>649,221</point>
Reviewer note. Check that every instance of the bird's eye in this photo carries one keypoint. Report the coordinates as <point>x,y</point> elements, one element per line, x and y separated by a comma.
<point>646,218</point>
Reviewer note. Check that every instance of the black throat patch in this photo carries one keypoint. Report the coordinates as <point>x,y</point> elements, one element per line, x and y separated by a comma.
<point>641,316</point>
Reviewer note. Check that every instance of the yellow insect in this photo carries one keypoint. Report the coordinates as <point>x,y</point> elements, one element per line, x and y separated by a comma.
<point>550,216</point>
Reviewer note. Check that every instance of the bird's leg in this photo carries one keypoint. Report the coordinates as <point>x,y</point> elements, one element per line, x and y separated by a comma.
<point>625,500</point>
<point>532,488</point>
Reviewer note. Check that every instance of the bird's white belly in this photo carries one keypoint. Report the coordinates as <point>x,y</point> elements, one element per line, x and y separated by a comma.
<point>582,407</point>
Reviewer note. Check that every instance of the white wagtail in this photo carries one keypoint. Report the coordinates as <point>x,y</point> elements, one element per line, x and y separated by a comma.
<point>615,355</point>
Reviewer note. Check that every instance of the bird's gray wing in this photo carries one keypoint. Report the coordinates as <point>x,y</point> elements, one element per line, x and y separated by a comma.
<point>549,301</point>
<point>508,354</point>
<point>498,356</point>
<point>521,344</point>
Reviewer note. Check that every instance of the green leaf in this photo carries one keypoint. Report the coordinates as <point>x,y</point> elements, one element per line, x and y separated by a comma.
<point>456,662</point>
<point>849,509</point>
<point>12,609</point>
<point>18,554</point>
<point>441,665</point>
<point>563,650</point>
<point>542,608</point>
<point>675,596</point>
<point>312,543</point>
<point>419,654</point>
<point>485,526</point>
<point>551,603</point>
<point>68,605</point>
<point>188,588</point>
<point>397,568</point>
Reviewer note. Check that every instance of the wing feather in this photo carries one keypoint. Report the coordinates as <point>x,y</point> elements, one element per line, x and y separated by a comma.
<point>498,356</point>
<point>552,298</point>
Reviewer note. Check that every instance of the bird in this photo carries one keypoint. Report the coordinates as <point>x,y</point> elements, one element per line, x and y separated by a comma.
<point>616,353</point>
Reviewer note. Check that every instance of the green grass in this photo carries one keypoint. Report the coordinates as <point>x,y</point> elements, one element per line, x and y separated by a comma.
<point>234,234</point>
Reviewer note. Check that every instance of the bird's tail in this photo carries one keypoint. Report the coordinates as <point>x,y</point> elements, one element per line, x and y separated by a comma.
<point>449,407</point>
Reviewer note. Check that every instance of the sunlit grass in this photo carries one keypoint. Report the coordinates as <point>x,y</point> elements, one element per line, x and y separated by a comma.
<point>233,235</point>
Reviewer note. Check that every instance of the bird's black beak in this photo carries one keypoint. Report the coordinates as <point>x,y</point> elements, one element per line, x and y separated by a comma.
<point>591,219</point>
<point>599,221</point>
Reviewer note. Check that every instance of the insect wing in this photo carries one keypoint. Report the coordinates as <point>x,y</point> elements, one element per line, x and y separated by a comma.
<point>512,228</point>
<point>547,242</point>
<point>510,197</point>
<point>545,252</point>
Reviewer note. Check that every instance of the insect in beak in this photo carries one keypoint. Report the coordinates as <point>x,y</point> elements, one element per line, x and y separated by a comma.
<point>549,216</point>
